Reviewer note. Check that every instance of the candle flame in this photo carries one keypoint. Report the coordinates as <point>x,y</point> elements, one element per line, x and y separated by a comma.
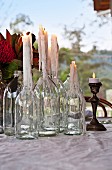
<point>94,75</point>
<point>24,33</point>
<point>73,62</point>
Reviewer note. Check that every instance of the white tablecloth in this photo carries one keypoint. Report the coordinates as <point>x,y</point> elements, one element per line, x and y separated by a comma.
<point>92,151</point>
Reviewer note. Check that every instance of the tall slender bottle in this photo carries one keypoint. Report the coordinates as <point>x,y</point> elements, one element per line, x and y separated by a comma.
<point>47,93</point>
<point>25,108</point>
<point>2,88</point>
<point>10,94</point>
<point>54,72</point>
<point>75,120</point>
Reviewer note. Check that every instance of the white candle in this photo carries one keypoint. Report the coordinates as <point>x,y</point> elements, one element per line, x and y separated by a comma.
<point>54,55</point>
<point>41,32</point>
<point>94,79</point>
<point>44,63</point>
<point>27,74</point>
<point>72,75</point>
<point>43,49</point>
<point>49,61</point>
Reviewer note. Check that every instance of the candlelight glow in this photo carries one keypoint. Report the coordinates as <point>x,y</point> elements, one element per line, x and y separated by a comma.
<point>73,62</point>
<point>94,75</point>
<point>24,33</point>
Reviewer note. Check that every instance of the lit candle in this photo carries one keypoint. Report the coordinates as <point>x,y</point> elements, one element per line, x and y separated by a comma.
<point>73,71</point>
<point>27,75</point>
<point>94,79</point>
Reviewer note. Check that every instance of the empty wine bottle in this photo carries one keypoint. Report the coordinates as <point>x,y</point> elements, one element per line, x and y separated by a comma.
<point>10,94</point>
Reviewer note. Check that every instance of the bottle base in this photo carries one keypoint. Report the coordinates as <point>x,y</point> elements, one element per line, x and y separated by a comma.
<point>9,131</point>
<point>27,136</point>
<point>72,133</point>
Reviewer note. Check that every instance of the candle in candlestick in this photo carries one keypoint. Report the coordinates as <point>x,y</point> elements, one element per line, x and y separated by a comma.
<point>94,79</point>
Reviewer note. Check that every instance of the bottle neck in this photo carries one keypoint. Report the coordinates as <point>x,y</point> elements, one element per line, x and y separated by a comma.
<point>54,74</point>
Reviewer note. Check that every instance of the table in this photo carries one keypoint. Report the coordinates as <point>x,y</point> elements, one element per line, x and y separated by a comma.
<point>88,152</point>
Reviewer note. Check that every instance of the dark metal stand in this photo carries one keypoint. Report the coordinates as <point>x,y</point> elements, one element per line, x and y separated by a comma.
<point>94,125</point>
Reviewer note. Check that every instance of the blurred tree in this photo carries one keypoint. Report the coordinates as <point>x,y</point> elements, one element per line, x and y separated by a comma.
<point>20,24</point>
<point>5,9</point>
<point>87,63</point>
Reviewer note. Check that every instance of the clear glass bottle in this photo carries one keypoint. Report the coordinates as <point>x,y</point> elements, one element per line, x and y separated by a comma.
<point>2,88</point>
<point>10,94</point>
<point>25,117</point>
<point>48,97</point>
<point>75,119</point>
<point>25,105</point>
<point>62,100</point>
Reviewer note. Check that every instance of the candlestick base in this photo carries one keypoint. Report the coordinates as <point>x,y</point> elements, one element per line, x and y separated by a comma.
<point>94,125</point>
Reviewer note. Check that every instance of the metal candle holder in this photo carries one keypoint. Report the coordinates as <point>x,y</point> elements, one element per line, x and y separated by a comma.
<point>94,125</point>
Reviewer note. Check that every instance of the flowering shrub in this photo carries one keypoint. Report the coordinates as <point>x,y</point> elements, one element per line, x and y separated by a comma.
<point>11,54</point>
<point>7,53</point>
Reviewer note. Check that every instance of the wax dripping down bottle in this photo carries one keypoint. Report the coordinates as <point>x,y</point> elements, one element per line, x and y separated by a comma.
<point>25,108</point>
<point>54,75</point>
<point>75,120</point>
<point>47,93</point>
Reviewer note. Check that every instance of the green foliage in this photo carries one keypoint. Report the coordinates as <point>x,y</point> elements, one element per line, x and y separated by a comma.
<point>9,69</point>
<point>35,44</point>
<point>36,75</point>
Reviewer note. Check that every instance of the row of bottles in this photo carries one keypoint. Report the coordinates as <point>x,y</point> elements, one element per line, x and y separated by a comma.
<point>52,107</point>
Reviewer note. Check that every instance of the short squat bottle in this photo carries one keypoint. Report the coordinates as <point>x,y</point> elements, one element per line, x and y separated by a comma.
<point>10,94</point>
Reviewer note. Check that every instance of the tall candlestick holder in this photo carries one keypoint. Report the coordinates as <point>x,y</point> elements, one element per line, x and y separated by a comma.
<point>94,125</point>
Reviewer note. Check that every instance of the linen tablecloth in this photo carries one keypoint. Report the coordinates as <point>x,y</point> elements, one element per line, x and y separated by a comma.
<point>88,152</point>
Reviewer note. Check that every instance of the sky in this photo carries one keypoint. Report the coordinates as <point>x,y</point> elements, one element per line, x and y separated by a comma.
<point>54,14</point>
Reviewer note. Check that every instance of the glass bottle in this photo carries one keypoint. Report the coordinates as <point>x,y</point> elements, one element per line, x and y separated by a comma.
<point>47,92</point>
<point>75,120</point>
<point>2,88</point>
<point>25,105</point>
<point>10,94</point>
<point>62,100</point>
<point>25,117</point>
<point>48,97</point>
<point>54,64</point>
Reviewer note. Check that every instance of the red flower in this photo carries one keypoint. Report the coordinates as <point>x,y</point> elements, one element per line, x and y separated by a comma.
<point>6,52</point>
